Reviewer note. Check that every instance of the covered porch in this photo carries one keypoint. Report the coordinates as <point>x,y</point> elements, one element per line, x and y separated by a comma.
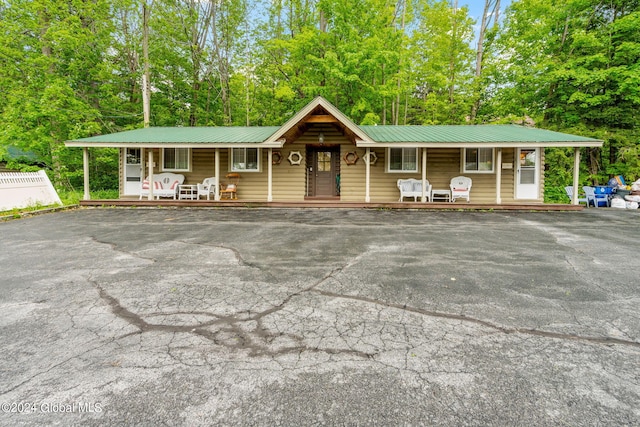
<point>320,156</point>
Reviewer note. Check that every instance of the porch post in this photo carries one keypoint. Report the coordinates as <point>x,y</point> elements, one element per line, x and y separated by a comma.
<point>143,154</point>
<point>269,175</point>
<point>576,173</point>
<point>499,177</point>
<point>217,168</point>
<point>150,197</point>
<point>85,168</point>
<point>367,175</point>
<point>424,175</point>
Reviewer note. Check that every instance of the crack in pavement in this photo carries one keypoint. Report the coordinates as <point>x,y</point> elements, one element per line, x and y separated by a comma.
<point>243,340</point>
<point>462,317</point>
<point>247,340</point>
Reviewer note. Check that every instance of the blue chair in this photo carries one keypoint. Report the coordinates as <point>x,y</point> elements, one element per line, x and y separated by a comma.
<point>593,197</point>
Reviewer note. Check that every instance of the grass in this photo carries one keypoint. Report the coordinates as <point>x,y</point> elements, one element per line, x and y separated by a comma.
<point>73,197</point>
<point>68,198</point>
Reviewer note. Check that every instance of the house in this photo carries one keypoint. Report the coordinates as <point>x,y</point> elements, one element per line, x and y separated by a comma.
<point>321,154</point>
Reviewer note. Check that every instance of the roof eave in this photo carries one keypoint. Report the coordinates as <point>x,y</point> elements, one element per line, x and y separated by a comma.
<point>319,101</point>
<point>496,144</point>
<point>274,144</point>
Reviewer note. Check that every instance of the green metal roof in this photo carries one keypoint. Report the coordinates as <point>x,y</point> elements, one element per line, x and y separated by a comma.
<point>381,136</point>
<point>470,134</point>
<point>184,135</point>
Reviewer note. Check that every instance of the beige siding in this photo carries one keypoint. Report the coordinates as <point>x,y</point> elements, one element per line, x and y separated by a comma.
<point>508,189</point>
<point>202,165</point>
<point>289,181</point>
<point>442,165</point>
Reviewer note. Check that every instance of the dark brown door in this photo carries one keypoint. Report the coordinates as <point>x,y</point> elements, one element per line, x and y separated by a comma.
<point>323,171</point>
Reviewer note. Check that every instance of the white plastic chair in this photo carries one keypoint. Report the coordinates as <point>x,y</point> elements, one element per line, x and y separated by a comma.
<point>593,197</point>
<point>460,188</point>
<point>569,190</point>
<point>208,187</point>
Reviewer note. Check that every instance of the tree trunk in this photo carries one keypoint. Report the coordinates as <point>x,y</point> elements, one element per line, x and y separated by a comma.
<point>486,20</point>
<point>146,83</point>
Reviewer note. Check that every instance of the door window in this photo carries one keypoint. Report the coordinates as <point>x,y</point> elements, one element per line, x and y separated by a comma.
<point>324,161</point>
<point>527,166</point>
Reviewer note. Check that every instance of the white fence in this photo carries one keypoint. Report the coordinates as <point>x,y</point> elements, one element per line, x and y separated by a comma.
<point>23,189</point>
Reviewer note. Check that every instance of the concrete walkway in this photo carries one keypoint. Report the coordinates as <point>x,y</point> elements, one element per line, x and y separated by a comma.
<point>320,317</point>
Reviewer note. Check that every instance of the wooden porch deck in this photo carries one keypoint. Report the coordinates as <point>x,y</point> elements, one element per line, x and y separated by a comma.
<point>130,202</point>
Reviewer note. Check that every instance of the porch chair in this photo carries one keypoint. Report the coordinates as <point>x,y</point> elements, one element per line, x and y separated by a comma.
<point>208,187</point>
<point>230,189</point>
<point>593,197</point>
<point>460,188</point>
<point>569,190</point>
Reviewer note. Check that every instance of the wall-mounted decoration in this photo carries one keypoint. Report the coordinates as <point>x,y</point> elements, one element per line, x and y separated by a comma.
<point>276,158</point>
<point>295,158</point>
<point>371,158</point>
<point>351,158</point>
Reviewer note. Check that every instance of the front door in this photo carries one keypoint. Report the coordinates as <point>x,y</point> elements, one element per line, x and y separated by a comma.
<point>528,173</point>
<point>132,172</point>
<point>323,171</point>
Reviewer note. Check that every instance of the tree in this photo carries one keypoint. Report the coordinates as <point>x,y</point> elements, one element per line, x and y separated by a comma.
<point>574,66</point>
<point>442,61</point>
<point>52,62</point>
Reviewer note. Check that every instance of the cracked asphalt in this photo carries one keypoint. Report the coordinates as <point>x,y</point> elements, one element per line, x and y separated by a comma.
<point>298,317</point>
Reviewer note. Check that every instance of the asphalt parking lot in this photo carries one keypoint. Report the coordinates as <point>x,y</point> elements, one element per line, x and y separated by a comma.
<point>300,317</point>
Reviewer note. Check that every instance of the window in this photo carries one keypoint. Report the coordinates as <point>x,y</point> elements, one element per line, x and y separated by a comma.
<point>133,156</point>
<point>245,159</point>
<point>402,160</point>
<point>324,161</point>
<point>478,160</point>
<point>176,159</point>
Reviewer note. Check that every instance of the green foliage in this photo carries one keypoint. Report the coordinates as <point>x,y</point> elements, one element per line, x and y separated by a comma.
<point>574,66</point>
<point>73,69</point>
<point>70,198</point>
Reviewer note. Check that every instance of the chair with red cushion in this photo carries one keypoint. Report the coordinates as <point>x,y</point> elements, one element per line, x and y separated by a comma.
<point>460,188</point>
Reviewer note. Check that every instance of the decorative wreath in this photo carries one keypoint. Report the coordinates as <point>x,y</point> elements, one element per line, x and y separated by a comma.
<point>276,158</point>
<point>371,158</point>
<point>351,158</point>
<point>295,157</point>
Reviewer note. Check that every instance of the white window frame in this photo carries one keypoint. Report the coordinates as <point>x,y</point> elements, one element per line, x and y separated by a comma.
<point>188,169</point>
<point>415,170</point>
<point>232,163</point>
<point>463,160</point>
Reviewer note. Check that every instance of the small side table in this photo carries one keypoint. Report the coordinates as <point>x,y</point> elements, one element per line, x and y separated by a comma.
<point>187,192</point>
<point>442,194</point>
